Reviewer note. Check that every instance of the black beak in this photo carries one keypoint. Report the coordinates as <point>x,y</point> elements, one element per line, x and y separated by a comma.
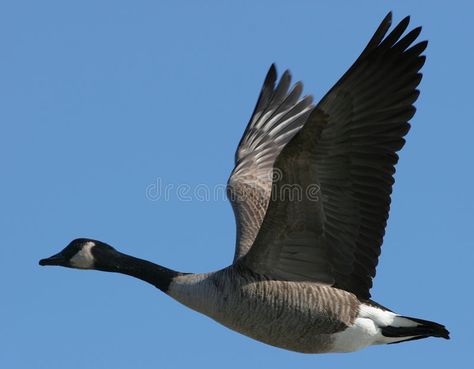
<point>57,259</point>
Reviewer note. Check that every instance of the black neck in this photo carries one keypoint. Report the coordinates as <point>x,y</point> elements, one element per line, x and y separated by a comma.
<point>117,262</point>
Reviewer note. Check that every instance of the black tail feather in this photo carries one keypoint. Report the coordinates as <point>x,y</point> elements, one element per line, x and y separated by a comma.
<point>409,339</point>
<point>424,329</point>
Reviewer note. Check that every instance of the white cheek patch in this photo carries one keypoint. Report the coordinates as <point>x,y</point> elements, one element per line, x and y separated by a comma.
<point>84,258</point>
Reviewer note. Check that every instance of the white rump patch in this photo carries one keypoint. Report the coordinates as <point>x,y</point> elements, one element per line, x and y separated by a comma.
<point>384,318</point>
<point>381,317</point>
<point>366,329</point>
<point>84,258</point>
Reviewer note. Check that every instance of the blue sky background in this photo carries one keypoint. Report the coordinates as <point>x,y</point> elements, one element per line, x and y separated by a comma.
<point>101,99</point>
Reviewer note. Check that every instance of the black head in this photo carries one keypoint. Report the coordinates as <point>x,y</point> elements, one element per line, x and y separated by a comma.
<point>81,254</point>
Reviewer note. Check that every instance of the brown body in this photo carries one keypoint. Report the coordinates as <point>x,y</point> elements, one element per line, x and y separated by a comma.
<point>297,316</point>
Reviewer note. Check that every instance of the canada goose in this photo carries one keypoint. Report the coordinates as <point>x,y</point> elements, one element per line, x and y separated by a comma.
<point>304,261</point>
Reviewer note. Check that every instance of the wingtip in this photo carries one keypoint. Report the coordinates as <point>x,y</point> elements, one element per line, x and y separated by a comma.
<point>298,86</point>
<point>273,70</point>
<point>286,75</point>
<point>406,20</point>
<point>271,76</point>
<point>404,23</point>
<point>416,31</point>
<point>421,46</point>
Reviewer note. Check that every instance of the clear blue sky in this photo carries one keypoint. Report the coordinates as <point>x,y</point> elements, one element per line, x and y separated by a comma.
<point>100,99</point>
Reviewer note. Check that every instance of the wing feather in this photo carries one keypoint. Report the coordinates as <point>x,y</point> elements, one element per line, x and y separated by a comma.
<point>280,113</point>
<point>347,151</point>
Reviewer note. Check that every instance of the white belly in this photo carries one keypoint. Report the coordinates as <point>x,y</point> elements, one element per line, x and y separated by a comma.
<point>363,333</point>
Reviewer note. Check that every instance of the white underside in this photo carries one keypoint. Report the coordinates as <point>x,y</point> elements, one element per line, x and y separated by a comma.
<point>366,330</point>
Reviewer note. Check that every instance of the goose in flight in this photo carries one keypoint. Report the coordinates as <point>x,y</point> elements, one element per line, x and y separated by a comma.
<point>311,194</point>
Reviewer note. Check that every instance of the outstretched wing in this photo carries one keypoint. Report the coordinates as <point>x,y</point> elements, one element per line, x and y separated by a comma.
<point>280,112</point>
<point>345,155</point>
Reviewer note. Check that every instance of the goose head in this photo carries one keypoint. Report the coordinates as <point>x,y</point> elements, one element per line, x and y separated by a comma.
<point>82,253</point>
